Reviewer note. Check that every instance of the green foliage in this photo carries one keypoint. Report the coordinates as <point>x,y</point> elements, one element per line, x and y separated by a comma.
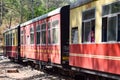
<point>42,10</point>
<point>25,10</point>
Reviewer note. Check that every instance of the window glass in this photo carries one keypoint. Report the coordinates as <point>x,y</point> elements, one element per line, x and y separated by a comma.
<point>43,33</point>
<point>55,35</point>
<point>38,37</point>
<point>104,29</point>
<point>88,26</point>
<point>31,38</point>
<point>49,33</point>
<point>6,39</point>
<point>118,35</point>
<point>13,38</point>
<point>43,37</point>
<point>55,23</point>
<point>32,35</point>
<point>88,14</point>
<point>106,10</point>
<point>115,7</point>
<point>38,34</point>
<point>112,29</point>
<point>87,32</point>
<point>38,28</point>
<point>21,37</point>
<point>55,32</point>
<point>74,35</point>
<point>10,38</point>
<point>111,23</point>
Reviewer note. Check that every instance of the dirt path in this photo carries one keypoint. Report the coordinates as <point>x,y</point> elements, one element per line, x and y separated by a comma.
<point>14,71</point>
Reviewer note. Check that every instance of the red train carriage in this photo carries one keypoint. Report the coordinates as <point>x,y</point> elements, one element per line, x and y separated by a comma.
<point>95,39</point>
<point>46,38</point>
<point>11,41</point>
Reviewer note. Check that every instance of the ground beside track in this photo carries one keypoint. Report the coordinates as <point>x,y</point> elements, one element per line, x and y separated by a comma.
<point>14,71</point>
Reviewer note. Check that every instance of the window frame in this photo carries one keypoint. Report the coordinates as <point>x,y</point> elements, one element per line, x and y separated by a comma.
<point>49,28</point>
<point>73,30</point>
<point>38,31</point>
<point>32,35</point>
<point>108,16</point>
<point>43,30</point>
<point>83,25</point>
<point>55,28</point>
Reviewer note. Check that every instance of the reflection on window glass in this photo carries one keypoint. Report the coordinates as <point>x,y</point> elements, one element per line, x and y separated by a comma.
<point>111,22</point>
<point>115,7</point>
<point>106,10</point>
<point>88,14</point>
<point>55,23</point>
<point>43,37</point>
<point>32,35</point>
<point>38,34</point>
<point>31,38</point>
<point>13,39</point>
<point>38,37</point>
<point>74,35</point>
<point>49,33</point>
<point>43,33</point>
<point>112,29</point>
<point>111,8</point>
<point>87,31</point>
<point>55,32</point>
<point>21,37</point>
<point>55,35</point>
<point>10,38</point>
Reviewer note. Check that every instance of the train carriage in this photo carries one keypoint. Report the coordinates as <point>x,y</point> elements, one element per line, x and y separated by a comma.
<point>46,38</point>
<point>11,42</point>
<point>95,36</point>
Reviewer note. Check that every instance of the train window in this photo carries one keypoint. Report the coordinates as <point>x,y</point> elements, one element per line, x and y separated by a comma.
<point>10,39</point>
<point>49,33</point>
<point>32,35</point>
<point>43,33</point>
<point>88,14</point>
<point>89,31</point>
<point>13,38</point>
<point>118,35</point>
<point>86,31</point>
<point>21,37</point>
<point>38,34</point>
<point>55,23</point>
<point>115,7</point>
<point>106,10</point>
<point>111,22</point>
<point>55,32</point>
<point>6,39</point>
<point>112,29</point>
<point>88,26</point>
<point>111,8</point>
<point>104,29</point>
<point>74,35</point>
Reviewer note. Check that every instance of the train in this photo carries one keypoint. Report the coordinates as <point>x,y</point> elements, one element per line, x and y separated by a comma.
<point>84,36</point>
